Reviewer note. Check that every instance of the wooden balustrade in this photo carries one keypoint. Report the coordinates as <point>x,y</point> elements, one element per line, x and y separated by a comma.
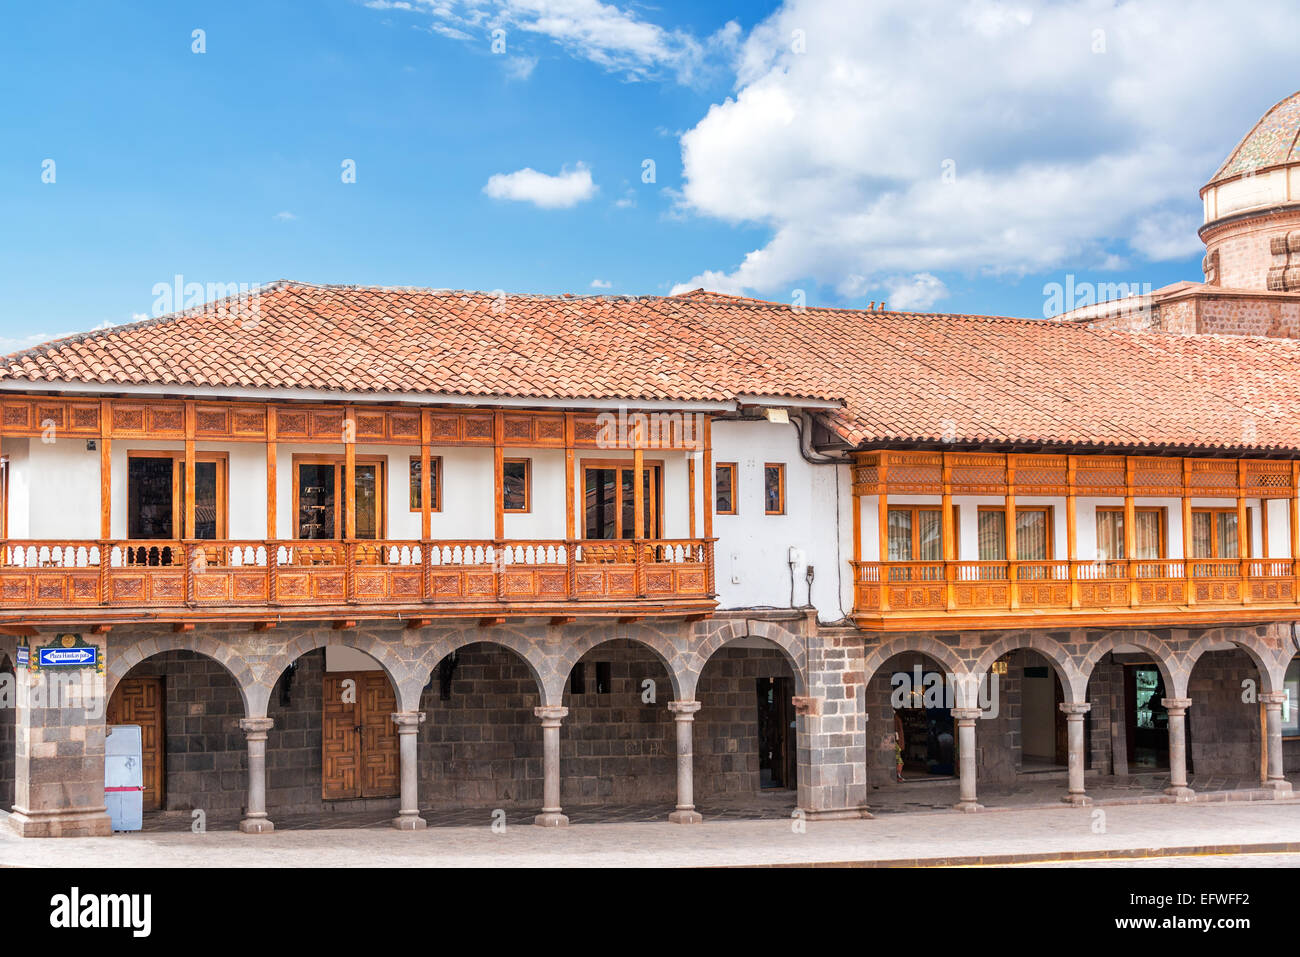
<point>974,587</point>
<point>162,574</point>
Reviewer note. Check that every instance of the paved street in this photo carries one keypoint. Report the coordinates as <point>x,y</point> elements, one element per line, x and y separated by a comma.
<point>923,837</point>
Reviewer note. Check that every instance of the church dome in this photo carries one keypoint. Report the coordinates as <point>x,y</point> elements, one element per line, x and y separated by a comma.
<point>1273,141</point>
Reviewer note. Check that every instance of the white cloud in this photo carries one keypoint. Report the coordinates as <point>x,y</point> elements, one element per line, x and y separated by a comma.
<point>614,39</point>
<point>520,67</point>
<point>1058,155</point>
<point>601,284</point>
<point>284,216</point>
<point>527,185</point>
<point>918,292</point>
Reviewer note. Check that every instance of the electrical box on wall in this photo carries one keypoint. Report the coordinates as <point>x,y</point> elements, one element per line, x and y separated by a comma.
<point>797,556</point>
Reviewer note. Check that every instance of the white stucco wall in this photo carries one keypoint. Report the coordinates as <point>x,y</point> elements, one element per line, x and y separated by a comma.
<point>753,547</point>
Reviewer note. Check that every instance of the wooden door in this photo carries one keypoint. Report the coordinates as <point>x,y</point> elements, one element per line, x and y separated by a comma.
<point>359,754</point>
<point>141,701</point>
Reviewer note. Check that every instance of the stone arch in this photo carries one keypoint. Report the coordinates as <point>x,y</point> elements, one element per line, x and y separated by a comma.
<point>945,655</point>
<point>1270,663</point>
<point>1172,670</point>
<point>723,633</point>
<point>540,665</point>
<point>121,663</point>
<point>1073,682</point>
<point>394,667</point>
<point>670,656</point>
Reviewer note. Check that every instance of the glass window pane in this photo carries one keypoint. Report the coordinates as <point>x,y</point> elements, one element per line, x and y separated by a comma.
<point>773,493</point>
<point>1110,534</point>
<point>367,501</point>
<point>1227,534</point>
<point>929,532</point>
<point>992,536</point>
<point>900,535</point>
<point>316,501</point>
<point>515,481</point>
<point>724,494</point>
<point>205,499</point>
<point>1146,529</point>
<point>1031,535</point>
<point>415,484</point>
<point>600,495</point>
<point>1202,535</point>
<point>149,492</point>
<point>1291,706</point>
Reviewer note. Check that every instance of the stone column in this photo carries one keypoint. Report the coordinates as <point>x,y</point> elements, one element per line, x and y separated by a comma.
<point>966,718</point>
<point>408,729</point>
<point>1078,756</point>
<point>1273,701</point>
<point>1177,708</point>
<point>256,821</point>
<point>59,736</point>
<point>551,816</point>
<point>684,712</point>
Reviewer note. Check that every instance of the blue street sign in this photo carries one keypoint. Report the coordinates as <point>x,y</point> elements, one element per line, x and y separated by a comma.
<point>24,656</point>
<point>66,657</point>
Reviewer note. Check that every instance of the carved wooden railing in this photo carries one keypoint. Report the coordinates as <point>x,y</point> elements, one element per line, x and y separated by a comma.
<point>76,574</point>
<point>963,587</point>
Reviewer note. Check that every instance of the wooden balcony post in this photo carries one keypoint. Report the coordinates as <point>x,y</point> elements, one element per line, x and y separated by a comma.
<point>105,468</point>
<point>1243,541</point>
<point>499,479</point>
<point>570,523</point>
<point>856,463</point>
<point>189,469</point>
<point>946,534</point>
<point>1188,564</point>
<point>271,491</point>
<point>350,475</point>
<point>882,522</point>
<point>1072,527</point>
<point>1010,520</point>
<point>1293,523</point>
<point>1130,534</point>
<point>707,484</point>
<point>690,493</point>
<point>638,508</point>
<point>426,478</point>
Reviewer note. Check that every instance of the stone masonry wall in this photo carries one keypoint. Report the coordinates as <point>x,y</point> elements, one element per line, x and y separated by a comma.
<point>1224,731</point>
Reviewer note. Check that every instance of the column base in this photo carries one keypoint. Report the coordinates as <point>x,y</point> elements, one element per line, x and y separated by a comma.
<point>551,819</point>
<point>410,822</point>
<point>74,822</point>
<point>838,814</point>
<point>1180,793</point>
<point>968,806</point>
<point>1280,789</point>
<point>1077,800</point>
<point>256,825</point>
<point>687,816</point>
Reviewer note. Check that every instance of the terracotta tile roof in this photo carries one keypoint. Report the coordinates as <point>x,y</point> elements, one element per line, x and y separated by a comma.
<point>902,377</point>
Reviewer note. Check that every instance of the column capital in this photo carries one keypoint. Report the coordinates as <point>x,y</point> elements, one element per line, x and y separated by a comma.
<point>551,714</point>
<point>1176,704</point>
<point>966,714</point>
<point>685,710</point>
<point>1073,708</point>
<point>1272,699</point>
<point>408,722</point>
<point>251,726</point>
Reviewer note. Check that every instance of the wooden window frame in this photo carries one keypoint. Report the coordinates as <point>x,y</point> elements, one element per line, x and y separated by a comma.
<point>916,530</point>
<point>222,460</point>
<point>381,482</point>
<point>1050,519</point>
<point>528,485</point>
<point>1213,511</point>
<point>1162,518</point>
<point>435,483</point>
<point>656,506</point>
<point>733,468</point>
<point>780,466</point>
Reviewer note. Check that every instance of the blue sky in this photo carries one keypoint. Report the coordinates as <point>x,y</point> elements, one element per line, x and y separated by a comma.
<point>797,146</point>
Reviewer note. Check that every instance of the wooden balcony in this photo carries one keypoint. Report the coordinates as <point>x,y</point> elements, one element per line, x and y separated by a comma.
<point>903,595</point>
<point>47,580</point>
